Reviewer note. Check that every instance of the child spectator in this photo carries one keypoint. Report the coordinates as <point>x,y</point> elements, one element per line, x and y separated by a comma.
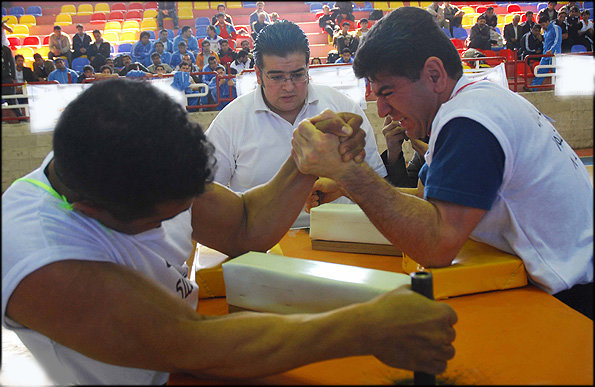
<point>62,74</point>
<point>106,70</point>
<point>363,30</point>
<point>80,42</point>
<point>315,60</point>
<point>141,50</point>
<point>88,72</point>
<point>344,39</point>
<point>224,85</point>
<point>221,8</point>
<point>213,38</point>
<point>160,70</point>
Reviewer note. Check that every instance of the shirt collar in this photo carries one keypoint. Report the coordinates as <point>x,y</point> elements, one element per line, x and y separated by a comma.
<point>260,104</point>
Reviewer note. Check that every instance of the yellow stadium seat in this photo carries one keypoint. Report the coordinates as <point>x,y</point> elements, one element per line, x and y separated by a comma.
<point>184,4</point>
<point>508,18</point>
<point>468,9</point>
<point>148,24</point>
<point>28,20</point>
<point>382,5</point>
<point>111,37</point>
<point>11,20</point>
<point>85,9</point>
<point>468,20</point>
<point>68,9</point>
<point>214,4</point>
<point>234,4</point>
<point>185,13</point>
<point>149,13</point>
<point>27,52</point>
<point>128,37</point>
<point>396,4</point>
<point>201,5</point>
<point>19,31</point>
<point>112,26</point>
<point>130,25</point>
<point>43,51</point>
<point>425,4</point>
<point>63,20</point>
<point>102,7</point>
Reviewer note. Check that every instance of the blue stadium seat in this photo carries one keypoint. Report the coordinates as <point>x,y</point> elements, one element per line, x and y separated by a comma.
<point>124,47</point>
<point>171,35</point>
<point>79,63</point>
<point>459,33</point>
<point>578,48</point>
<point>152,34</point>
<point>201,32</point>
<point>34,10</point>
<point>541,6</point>
<point>315,7</point>
<point>249,4</point>
<point>202,20</point>
<point>16,11</point>
<point>446,32</point>
<point>4,11</point>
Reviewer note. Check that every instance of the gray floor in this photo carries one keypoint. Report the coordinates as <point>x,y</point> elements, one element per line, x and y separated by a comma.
<point>19,368</point>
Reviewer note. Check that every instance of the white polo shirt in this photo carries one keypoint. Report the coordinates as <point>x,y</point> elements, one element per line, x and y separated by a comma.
<point>252,142</point>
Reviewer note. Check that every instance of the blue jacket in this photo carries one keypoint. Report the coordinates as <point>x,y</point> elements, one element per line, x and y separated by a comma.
<point>206,78</point>
<point>141,53</point>
<point>340,60</point>
<point>552,39</point>
<point>168,47</point>
<point>191,44</point>
<point>62,76</point>
<point>176,58</point>
<point>223,92</point>
<point>165,58</point>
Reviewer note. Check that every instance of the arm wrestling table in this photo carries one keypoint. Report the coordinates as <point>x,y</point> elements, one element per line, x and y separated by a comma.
<point>515,336</point>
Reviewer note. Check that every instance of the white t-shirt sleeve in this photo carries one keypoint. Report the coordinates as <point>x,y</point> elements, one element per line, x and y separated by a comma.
<point>221,139</point>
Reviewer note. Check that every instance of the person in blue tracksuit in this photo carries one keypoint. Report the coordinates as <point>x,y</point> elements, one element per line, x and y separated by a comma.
<point>224,85</point>
<point>63,74</point>
<point>552,44</point>
<point>141,50</point>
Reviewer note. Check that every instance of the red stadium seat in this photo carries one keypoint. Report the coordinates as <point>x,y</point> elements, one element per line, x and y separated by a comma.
<point>481,9</point>
<point>513,8</point>
<point>115,16</point>
<point>14,42</point>
<point>507,53</point>
<point>98,18</point>
<point>46,40</point>
<point>32,41</point>
<point>458,43</point>
<point>118,7</point>
<point>151,5</point>
<point>138,6</point>
<point>134,14</point>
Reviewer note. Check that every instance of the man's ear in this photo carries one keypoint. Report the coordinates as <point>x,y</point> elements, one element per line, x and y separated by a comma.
<point>258,75</point>
<point>435,73</point>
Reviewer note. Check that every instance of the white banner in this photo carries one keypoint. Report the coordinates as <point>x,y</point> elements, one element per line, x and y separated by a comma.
<point>575,75</point>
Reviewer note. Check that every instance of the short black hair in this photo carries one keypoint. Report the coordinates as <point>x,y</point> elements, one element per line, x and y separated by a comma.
<point>160,65</point>
<point>219,14</point>
<point>223,41</point>
<point>482,16</point>
<point>205,42</point>
<point>155,54</point>
<point>489,8</point>
<point>346,23</point>
<point>241,53</point>
<point>363,20</point>
<point>181,43</point>
<point>346,49</point>
<point>159,42</point>
<point>80,25</point>
<point>19,56</point>
<point>57,28</point>
<point>401,42</point>
<point>37,55</point>
<point>544,17</point>
<point>185,28</point>
<point>212,57</point>
<point>280,39</point>
<point>145,33</point>
<point>57,58</point>
<point>113,151</point>
<point>96,30</point>
<point>88,67</point>
<point>106,67</point>
<point>184,63</point>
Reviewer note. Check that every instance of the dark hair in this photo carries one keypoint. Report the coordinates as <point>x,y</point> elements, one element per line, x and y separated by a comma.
<point>315,58</point>
<point>185,28</point>
<point>401,42</point>
<point>80,25</point>
<point>126,56</point>
<point>88,67</point>
<point>219,14</point>
<point>482,16</point>
<point>241,53</point>
<point>57,58</point>
<point>489,8</point>
<point>223,41</point>
<point>112,151</point>
<point>155,55</point>
<point>544,17</point>
<point>363,20</point>
<point>528,12</point>
<point>96,30</point>
<point>211,27</point>
<point>536,26</point>
<point>36,55</point>
<point>346,49</point>
<point>220,67</point>
<point>345,23</point>
<point>18,56</point>
<point>202,44</point>
<point>220,5</point>
<point>586,12</point>
<point>106,67</point>
<point>57,28</point>
<point>145,33</point>
<point>212,57</point>
<point>162,31</point>
<point>160,65</point>
<point>184,63</point>
<point>281,39</point>
<point>159,42</point>
<point>181,43</point>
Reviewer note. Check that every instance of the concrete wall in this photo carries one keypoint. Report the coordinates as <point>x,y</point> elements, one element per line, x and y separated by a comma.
<point>23,151</point>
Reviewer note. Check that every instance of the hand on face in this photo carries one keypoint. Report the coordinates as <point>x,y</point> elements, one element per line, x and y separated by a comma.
<point>394,135</point>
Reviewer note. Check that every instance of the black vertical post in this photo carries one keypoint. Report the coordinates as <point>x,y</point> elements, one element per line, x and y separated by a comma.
<point>421,282</point>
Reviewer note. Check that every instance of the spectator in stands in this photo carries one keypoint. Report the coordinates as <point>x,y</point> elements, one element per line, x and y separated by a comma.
<point>552,44</point>
<point>437,13</point>
<point>273,110</point>
<point>258,25</point>
<point>106,70</point>
<point>224,29</point>
<point>259,8</point>
<point>221,8</point>
<point>110,62</point>
<point>245,46</point>
<point>363,29</point>
<point>23,74</point>
<point>160,70</point>
<point>400,173</point>
<point>586,32</point>
<point>80,42</point>
<point>193,68</point>
<point>205,53</point>
<point>345,56</point>
<point>343,10</point>
<point>99,51</point>
<point>513,34</point>
<point>226,54</point>
<point>316,60</point>
<point>141,50</point>
<point>62,74</point>
<point>156,58</point>
<point>528,24</point>
<point>550,10</point>
<point>189,39</point>
<point>453,16</point>
<point>211,66</point>
<point>275,17</point>
<point>573,20</point>
<point>345,39</point>
<point>561,22</point>
<point>491,17</point>
<point>224,85</point>
<point>129,65</point>
<point>160,49</point>
<point>42,68</point>
<point>327,22</point>
<point>176,58</point>
<point>479,36</point>
<point>242,62</point>
<point>59,45</point>
<point>166,41</point>
<point>167,9</point>
<point>213,38</point>
<point>531,44</point>
<point>8,70</point>
<point>184,82</point>
<point>496,39</point>
<point>88,72</point>
<point>136,72</point>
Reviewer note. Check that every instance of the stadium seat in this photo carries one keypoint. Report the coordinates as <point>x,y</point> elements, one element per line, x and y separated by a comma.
<point>46,40</point>
<point>79,63</point>
<point>201,5</point>
<point>481,9</point>
<point>129,37</point>
<point>113,26</point>
<point>315,7</point>
<point>31,41</point>
<point>118,7</point>
<point>68,9</point>
<point>102,7</point>
<point>117,16</point>
<point>234,4</point>
<point>578,48</point>
<point>152,34</point>
<point>149,14</point>
<point>27,52</point>
<point>458,43</point>
<point>138,6</point>
<point>135,15</point>
<point>395,4</point>
<point>202,20</point>
<point>10,20</point>
<point>151,5</point>
<point>446,32</point>
<point>14,42</point>
<point>513,8</point>
<point>28,20</point>
<point>34,10</point>
<point>4,11</point>
<point>130,25</point>
<point>468,9</point>
<point>201,31</point>
<point>16,11</point>
<point>249,4</point>
<point>459,33</point>
<point>85,9</point>
<point>124,47</point>
<point>541,6</point>
<point>111,37</point>
<point>149,24</point>
<point>43,51</point>
<point>63,19</point>
<point>98,18</point>
<point>184,4</point>
<point>507,53</point>
<point>185,13</point>
<point>20,31</point>
<point>381,5</point>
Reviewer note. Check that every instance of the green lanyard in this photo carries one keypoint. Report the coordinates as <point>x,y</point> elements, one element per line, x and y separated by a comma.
<point>62,198</point>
